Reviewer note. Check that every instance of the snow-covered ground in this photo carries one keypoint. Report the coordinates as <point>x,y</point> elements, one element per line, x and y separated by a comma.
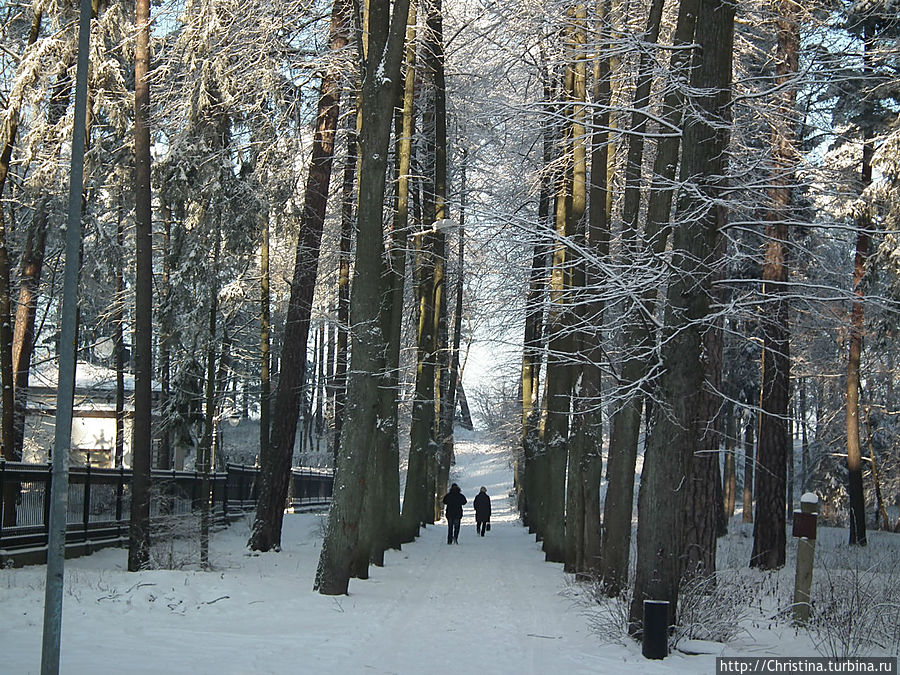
<point>489,605</point>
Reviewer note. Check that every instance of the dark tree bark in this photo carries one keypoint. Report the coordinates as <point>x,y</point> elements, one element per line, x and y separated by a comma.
<point>419,492</point>
<point>729,476</point>
<point>585,442</point>
<point>393,533</point>
<point>141,445</point>
<point>320,386</point>
<point>416,504</point>
<point>598,238</point>
<point>588,423</point>
<point>118,318</point>
<point>265,354</point>
<point>11,451</point>
<point>205,449</point>
<point>749,464</point>
<point>433,66</point>
<point>527,483</point>
<point>680,420</point>
<point>774,442</point>
<point>554,429</point>
<point>343,303</point>
<point>166,458</point>
<point>380,60</point>
<point>704,489</point>
<point>23,346</point>
<point>31,268</point>
<point>857,330</point>
<point>804,437</point>
<point>639,332</point>
<point>448,408</point>
<point>275,472</point>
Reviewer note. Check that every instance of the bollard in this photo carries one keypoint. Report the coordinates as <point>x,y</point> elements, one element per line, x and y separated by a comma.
<point>805,530</point>
<point>655,638</point>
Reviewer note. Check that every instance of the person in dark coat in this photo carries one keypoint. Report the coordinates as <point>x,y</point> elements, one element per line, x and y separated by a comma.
<point>482,505</point>
<point>454,501</point>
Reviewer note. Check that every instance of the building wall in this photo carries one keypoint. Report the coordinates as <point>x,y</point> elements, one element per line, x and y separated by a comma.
<point>93,440</point>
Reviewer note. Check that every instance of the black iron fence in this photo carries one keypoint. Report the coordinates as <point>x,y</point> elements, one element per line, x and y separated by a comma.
<point>99,502</point>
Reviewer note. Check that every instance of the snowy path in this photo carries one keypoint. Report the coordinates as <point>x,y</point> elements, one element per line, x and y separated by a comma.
<point>486,600</point>
<point>489,605</point>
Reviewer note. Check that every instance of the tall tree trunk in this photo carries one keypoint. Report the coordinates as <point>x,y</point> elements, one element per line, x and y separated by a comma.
<point>588,432</point>
<point>749,464</point>
<point>380,79</point>
<point>387,441</point>
<point>265,354</point>
<point>118,319</point>
<point>729,476</point>
<point>680,420</point>
<point>23,346</point>
<point>141,445</point>
<point>584,442</point>
<point>598,237</point>
<point>864,225</point>
<point>205,449</point>
<point>639,333</point>
<point>773,449</point>
<point>876,478</point>
<point>416,504</point>
<point>348,198</point>
<point>804,437</point>
<point>380,522</point>
<point>8,133</point>
<point>31,268</point>
<point>434,209</point>
<point>166,458</point>
<point>275,473</point>
<point>528,485</point>
<point>448,409</point>
<point>704,488</point>
<point>419,494</point>
<point>554,428</point>
<point>32,263</point>
<point>857,330</point>
<point>320,387</point>
<point>443,437</point>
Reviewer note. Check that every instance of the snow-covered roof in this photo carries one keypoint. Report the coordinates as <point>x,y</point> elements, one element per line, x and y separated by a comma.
<point>88,376</point>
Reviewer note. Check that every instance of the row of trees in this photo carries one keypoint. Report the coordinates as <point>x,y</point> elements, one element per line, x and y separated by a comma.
<point>230,138</point>
<point>701,241</point>
<point>725,272</point>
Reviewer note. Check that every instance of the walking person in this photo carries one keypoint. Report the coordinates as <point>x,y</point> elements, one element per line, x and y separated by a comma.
<point>482,505</point>
<point>454,501</point>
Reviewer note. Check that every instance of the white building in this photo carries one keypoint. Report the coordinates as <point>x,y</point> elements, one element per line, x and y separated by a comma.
<point>93,416</point>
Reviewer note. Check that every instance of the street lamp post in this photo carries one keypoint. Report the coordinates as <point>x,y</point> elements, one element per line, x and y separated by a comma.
<point>65,395</point>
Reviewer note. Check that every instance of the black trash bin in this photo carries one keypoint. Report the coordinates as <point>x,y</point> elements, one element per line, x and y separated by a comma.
<point>655,638</point>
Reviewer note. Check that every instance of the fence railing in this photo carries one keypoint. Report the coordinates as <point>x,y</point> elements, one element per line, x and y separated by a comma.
<point>99,502</point>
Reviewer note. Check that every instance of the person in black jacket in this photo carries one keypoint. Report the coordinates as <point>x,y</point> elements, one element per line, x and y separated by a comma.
<point>454,501</point>
<point>482,505</point>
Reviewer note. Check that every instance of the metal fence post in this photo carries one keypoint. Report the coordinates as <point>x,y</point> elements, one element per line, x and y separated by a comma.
<point>2,497</point>
<point>225,497</point>
<point>120,493</point>
<point>48,496</point>
<point>86,507</point>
